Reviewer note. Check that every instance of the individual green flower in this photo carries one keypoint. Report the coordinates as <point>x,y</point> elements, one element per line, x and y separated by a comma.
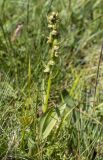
<point>50,39</point>
<point>54,33</point>
<point>55,48</point>
<point>52,18</point>
<point>56,54</point>
<point>47,69</point>
<point>50,26</point>
<point>51,63</point>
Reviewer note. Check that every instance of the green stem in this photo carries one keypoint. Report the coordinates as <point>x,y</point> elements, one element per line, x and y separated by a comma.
<point>45,106</point>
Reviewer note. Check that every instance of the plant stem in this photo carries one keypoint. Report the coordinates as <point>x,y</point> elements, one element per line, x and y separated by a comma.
<point>45,106</point>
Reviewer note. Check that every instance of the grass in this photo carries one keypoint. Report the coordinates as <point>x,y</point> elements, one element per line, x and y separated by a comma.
<point>69,124</point>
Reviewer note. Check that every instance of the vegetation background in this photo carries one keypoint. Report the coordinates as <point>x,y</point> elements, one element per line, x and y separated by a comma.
<point>72,126</point>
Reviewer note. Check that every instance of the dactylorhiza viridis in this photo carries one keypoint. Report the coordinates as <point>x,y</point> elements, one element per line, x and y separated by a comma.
<point>53,52</point>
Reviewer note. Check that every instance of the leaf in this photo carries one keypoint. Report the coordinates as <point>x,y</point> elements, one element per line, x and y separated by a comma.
<point>52,117</point>
<point>49,120</point>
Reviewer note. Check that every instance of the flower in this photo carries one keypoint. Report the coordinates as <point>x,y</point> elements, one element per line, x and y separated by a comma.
<point>54,33</point>
<point>52,18</point>
<point>50,26</point>
<point>51,63</point>
<point>47,69</point>
<point>56,48</point>
<point>50,39</point>
<point>56,54</point>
